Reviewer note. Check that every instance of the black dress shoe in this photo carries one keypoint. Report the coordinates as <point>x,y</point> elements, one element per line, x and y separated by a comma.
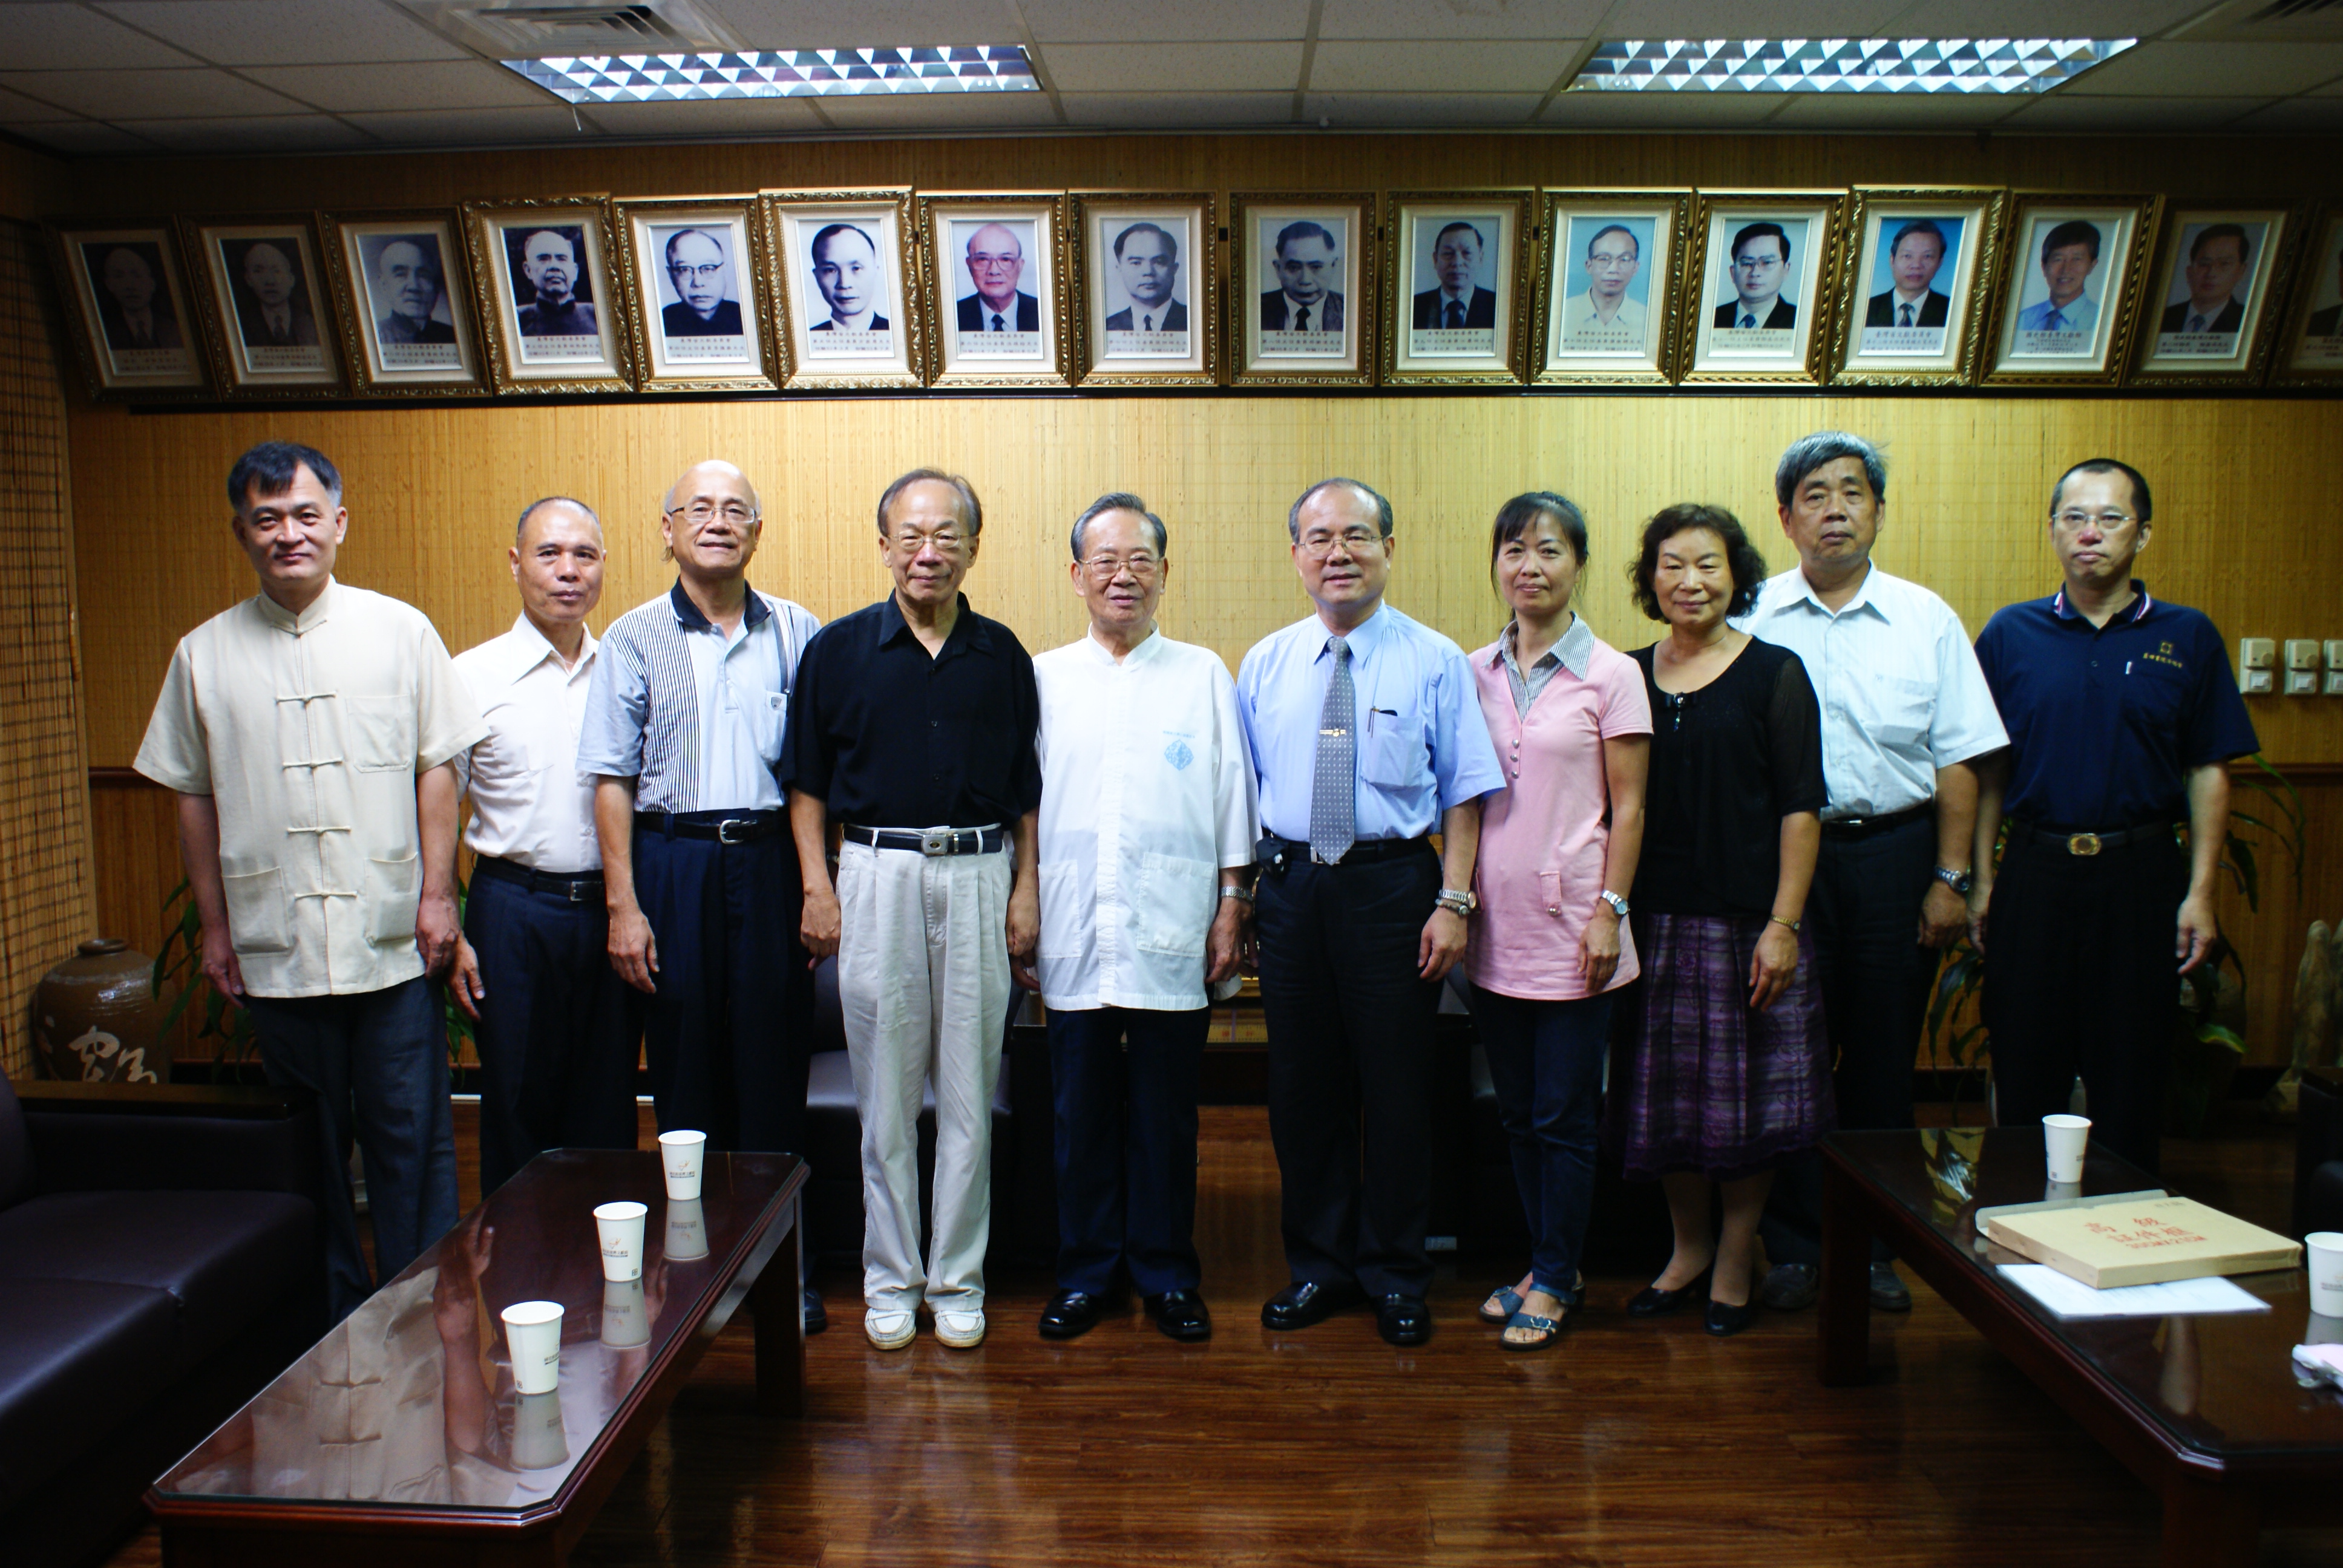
<point>1404,1319</point>
<point>817,1316</point>
<point>1069,1314</point>
<point>1304,1302</point>
<point>1725,1319</point>
<point>1651,1301</point>
<point>1179,1314</point>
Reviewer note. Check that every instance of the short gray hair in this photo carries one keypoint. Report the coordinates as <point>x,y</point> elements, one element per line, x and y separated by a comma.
<point>1121,501</point>
<point>530,510</point>
<point>1810,452</point>
<point>971,510</point>
<point>1382,507</point>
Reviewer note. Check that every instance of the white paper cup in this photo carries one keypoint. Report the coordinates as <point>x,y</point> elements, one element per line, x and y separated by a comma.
<point>539,1441</point>
<point>2054,1191</point>
<point>621,1226</point>
<point>2063,1138</point>
<point>2324,1252</point>
<point>683,1154</point>
<point>626,1316</point>
<point>533,1335</point>
<point>686,1231</point>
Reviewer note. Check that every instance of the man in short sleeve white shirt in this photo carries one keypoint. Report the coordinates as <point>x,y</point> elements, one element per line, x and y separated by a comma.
<point>311,733</point>
<point>1148,821</point>
<point>1906,715</point>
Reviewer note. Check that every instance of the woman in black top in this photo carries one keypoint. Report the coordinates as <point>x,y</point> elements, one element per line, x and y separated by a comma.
<point>1727,1076</point>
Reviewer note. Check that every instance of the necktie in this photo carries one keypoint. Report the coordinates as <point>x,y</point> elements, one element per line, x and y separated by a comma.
<point>1301,320</point>
<point>1907,316</point>
<point>2054,322</point>
<point>1748,320</point>
<point>1455,315</point>
<point>996,323</point>
<point>2197,322</point>
<point>1332,812</point>
<point>1147,323</point>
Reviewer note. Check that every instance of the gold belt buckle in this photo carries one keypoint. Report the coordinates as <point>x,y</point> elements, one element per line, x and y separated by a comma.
<point>2082,844</point>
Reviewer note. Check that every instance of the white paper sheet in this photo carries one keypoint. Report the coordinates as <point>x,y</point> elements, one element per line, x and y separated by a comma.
<point>2070,1298</point>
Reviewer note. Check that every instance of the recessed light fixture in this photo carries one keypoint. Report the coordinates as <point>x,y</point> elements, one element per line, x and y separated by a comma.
<point>782,73</point>
<point>1841,65</point>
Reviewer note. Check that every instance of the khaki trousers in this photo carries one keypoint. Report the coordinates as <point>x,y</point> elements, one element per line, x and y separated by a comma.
<point>923,983</point>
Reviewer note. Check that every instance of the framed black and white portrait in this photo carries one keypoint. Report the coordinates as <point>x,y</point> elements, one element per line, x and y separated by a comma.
<point>547,295</point>
<point>406,299</point>
<point>694,296</point>
<point>847,296</point>
<point>995,288</point>
<point>266,313</point>
<point>1761,313</point>
<point>1612,273</point>
<point>2069,289</point>
<point>1148,270</point>
<point>1911,300</point>
<point>2211,309</point>
<point>1302,292</point>
<point>138,330</point>
<point>1454,264</point>
<point>2310,349</point>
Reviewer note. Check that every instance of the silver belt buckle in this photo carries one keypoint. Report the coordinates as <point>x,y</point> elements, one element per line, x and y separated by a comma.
<point>937,842</point>
<point>724,830</point>
<point>577,890</point>
<point>2082,843</point>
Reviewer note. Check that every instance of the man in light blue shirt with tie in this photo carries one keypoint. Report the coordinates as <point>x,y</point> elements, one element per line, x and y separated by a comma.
<point>2070,253</point>
<point>1367,735</point>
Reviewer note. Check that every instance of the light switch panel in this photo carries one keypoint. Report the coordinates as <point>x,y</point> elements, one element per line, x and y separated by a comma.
<point>2334,683</point>
<point>2302,683</point>
<point>2255,652</point>
<point>2302,653</point>
<point>2256,683</point>
<point>2335,653</point>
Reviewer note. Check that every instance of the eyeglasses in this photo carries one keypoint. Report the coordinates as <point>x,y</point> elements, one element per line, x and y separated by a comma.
<point>1756,262</point>
<point>2074,521</point>
<point>708,270</point>
<point>1354,541</point>
<point>944,541</point>
<point>1106,569</point>
<point>702,512</point>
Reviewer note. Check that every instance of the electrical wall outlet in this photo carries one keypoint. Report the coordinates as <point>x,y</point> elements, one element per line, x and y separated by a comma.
<point>2335,653</point>
<point>2255,652</point>
<point>2256,683</point>
<point>2302,683</point>
<point>2302,653</point>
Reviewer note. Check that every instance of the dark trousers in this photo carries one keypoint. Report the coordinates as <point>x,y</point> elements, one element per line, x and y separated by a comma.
<point>2080,978</point>
<point>377,1061</point>
<point>558,1030</point>
<point>726,1034</point>
<point>1351,1057</point>
<point>1864,916</point>
<point>1545,1061</point>
<point>1127,1145</point>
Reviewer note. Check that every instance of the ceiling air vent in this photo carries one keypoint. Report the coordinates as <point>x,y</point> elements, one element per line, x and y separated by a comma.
<point>585,27</point>
<point>2268,21</point>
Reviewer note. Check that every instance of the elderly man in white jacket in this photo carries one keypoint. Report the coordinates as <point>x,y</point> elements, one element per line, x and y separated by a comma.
<point>1149,817</point>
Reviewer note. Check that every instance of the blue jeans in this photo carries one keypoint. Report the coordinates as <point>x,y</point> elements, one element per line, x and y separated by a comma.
<point>1545,1060</point>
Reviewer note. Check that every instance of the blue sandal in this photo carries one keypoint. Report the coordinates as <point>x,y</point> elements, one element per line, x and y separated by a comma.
<point>1546,1328</point>
<point>1508,1300</point>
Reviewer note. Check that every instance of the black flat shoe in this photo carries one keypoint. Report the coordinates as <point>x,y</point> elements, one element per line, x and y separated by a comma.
<point>1069,1314</point>
<point>816,1316</point>
<point>1180,1315</point>
<point>1725,1319</point>
<point>1651,1301</point>
<point>1304,1302</point>
<point>1404,1319</point>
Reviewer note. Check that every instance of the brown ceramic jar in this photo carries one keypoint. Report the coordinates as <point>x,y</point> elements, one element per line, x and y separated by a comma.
<point>96,1018</point>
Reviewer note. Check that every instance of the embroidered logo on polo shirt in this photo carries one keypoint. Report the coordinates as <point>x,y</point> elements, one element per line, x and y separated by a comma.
<point>2163,655</point>
<point>1178,755</point>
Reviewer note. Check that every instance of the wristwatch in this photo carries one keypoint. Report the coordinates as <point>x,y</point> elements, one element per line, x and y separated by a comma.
<point>1457,900</point>
<point>1618,905</point>
<point>1242,894</point>
<point>1959,881</point>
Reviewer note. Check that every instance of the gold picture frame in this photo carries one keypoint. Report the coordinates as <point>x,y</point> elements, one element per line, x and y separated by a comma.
<point>1333,244</point>
<point>266,309</point>
<point>1586,341</point>
<point>1122,240</point>
<point>821,349</point>
<point>2224,245</point>
<point>1781,350</point>
<point>1426,272</point>
<point>113,272</point>
<point>381,263</point>
<point>951,224</point>
<point>1891,230</point>
<point>668,246</point>
<point>496,232</point>
<point>2033,339</point>
<point>2309,350</point>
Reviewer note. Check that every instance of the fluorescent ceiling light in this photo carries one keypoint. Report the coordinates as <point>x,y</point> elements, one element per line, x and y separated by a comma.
<point>782,73</point>
<point>1841,65</point>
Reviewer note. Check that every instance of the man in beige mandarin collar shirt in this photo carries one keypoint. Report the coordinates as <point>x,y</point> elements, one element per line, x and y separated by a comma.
<point>310,732</point>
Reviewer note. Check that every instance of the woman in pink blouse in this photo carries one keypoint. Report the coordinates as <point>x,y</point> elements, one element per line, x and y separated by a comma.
<point>1572,728</point>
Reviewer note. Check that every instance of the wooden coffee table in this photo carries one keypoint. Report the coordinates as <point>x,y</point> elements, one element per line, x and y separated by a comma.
<point>399,1438</point>
<point>2204,1409</point>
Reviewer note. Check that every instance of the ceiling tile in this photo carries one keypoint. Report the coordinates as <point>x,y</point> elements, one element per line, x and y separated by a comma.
<point>2295,115</point>
<point>2211,71</point>
<point>1661,111</point>
<point>267,134</point>
<point>2023,18</point>
<point>1430,67</point>
<point>15,109</point>
<point>1426,111</point>
<point>709,117</point>
<point>1751,18</point>
<point>84,138</point>
<point>1172,67</point>
<point>1450,19</point>
<point>844,24</point>
<point>61,38</point>
<point>1894,111</point>
<point>287,32</point>
<point>473,127</point>
<point>149,95</point>
<point>415,85</point>
<point>1166,111</point>
<point>1151,21</point>
<point>940,111</point>
<point>2059,112</point>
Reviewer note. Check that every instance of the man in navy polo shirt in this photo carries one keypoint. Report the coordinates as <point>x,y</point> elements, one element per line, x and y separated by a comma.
<point>2122,718</point>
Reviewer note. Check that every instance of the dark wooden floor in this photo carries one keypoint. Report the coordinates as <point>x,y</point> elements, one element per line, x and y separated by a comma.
<point>1630,1444</point>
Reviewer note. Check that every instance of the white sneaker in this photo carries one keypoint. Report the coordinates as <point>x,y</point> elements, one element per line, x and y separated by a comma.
<point>963,1330</point>
<point>890,1331</point>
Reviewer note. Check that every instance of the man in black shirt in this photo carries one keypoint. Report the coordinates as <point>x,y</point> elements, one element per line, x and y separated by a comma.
<point>912,727</point>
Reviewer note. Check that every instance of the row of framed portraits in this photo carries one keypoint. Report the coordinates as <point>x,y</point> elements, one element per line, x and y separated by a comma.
<point>890,288</point>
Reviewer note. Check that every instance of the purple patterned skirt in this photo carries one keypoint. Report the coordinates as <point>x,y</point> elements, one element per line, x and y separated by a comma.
<point>1699,1081</point>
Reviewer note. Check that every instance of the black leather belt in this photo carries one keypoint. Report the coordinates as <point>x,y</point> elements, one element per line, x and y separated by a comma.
<point>1865,827</point>
<point>2090,843</point>
<point>724,827</point>
<point>578,887</point>
<point>930,840</point>
<point>1364,852</point>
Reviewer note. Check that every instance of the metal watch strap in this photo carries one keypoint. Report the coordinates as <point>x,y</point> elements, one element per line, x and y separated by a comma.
<point>1618,905</point>
<point>1959,881</point>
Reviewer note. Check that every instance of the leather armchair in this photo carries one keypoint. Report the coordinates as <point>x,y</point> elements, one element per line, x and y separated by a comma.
<point>2318,1152</point>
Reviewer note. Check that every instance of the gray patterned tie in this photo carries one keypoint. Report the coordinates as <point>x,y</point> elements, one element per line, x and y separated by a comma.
<point>1332,812</point>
